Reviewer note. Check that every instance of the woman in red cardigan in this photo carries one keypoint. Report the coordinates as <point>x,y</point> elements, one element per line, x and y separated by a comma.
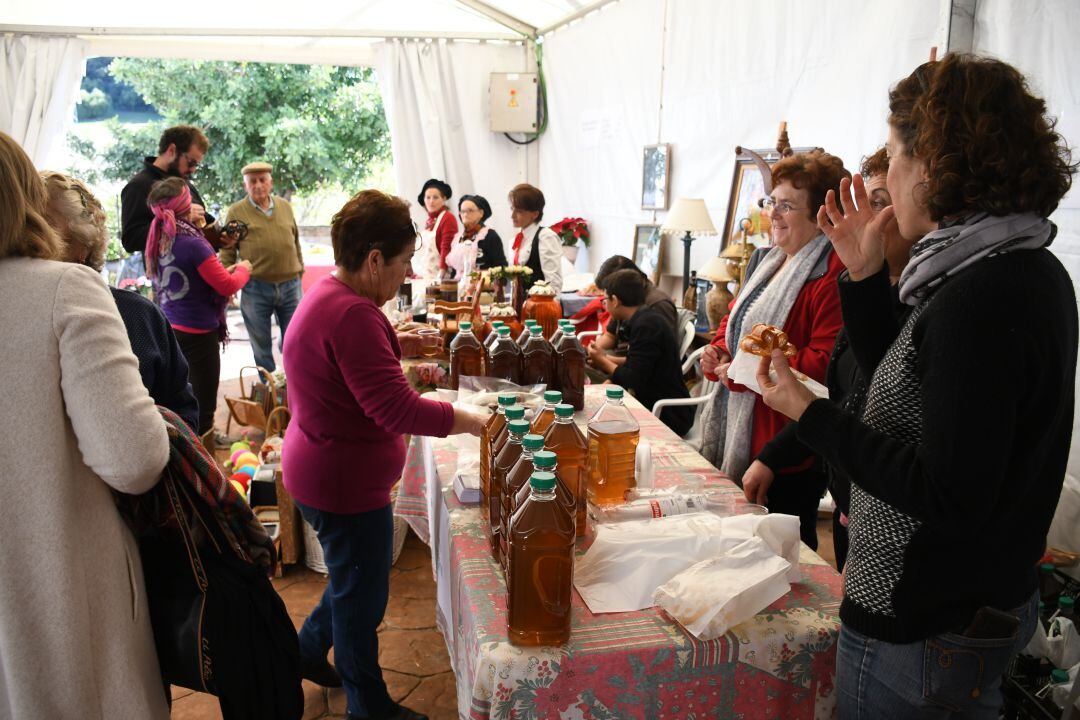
<point>441,227</point>
<point>791,285</point>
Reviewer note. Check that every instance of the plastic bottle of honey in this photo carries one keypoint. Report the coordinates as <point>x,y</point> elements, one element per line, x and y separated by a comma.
<point>487,437</point>
<point>556,336</point>
<point>517,478</point>
<point>570,369</point>
<point>546,416</point>
<point>512,412</point>
<point>541,567</point>
<point>547,461</point>
<point>466,355</point>
<point>613,441</point>
<point>489,341</point>
<point>536,365</point>
<point>505,358</point>
<point>566,440</point>
<point>504,462</point>
<point>525,327</point>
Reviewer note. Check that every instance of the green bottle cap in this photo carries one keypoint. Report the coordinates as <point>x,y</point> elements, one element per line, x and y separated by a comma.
<point>565,323</point>
<point>465,326</point>
<point>1066,603</point>
<point>519,427</point>
<point>1047,568</point>
<point>1057,675</point>
<point>515,412</point>
<point>535,330</point>
<point>615,392</point>
<point>533,442</point>
<point>542,481</point>
<point>544,459</point>
<point>569,332</point>
<point>552,397</point>
<point>503,331</point>
<point>530,322</point>
<point>496,324</point>
<point>564,410</point>
<point>507,399</point>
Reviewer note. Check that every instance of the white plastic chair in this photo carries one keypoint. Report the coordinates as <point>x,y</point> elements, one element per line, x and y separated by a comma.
<point>686,323</point>
<point>709,389</point>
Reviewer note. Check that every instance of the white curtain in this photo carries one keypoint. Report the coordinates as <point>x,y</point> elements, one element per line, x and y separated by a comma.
<point>436,100</point>
<point>39,83</point>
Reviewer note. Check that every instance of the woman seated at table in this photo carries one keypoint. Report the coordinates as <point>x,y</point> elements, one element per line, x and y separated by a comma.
<point>793,286</point>
<point>957,461</point>
<point>350,405</point>
<point>847,385</point>
<point>479,246</point>
<point>535,246</point>
<point>440,228</point>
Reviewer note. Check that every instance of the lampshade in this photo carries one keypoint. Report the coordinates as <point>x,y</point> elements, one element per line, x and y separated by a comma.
<point>737,251</point>
<point>688,215</point>
<point>716,270</point>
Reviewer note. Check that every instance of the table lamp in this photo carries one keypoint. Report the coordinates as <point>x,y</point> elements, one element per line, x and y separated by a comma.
<point>739,254</point>
<point>690,217</point>
<point>718,299</point>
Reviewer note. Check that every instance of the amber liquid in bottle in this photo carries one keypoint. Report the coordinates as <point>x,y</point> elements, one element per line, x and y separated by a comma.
<point>546,417</point>
<point>516,478</point>
<point>505,359</point>
<point>564,494</point>
<point>536,365</point>
<point>571,449</point>
<point>540,569</point>
<point>492,427</point>
<point>554,340</point>
<point>504,462</point>
<point>613,441</point>
<point>466,356</point>
<point>488,342</point>
<point>570,365</point>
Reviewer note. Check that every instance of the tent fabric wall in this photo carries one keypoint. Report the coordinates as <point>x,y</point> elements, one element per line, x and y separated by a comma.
<point>436,100</point>
<point>39,84</point>
<point>730,73</point>
<point>1039,39</point>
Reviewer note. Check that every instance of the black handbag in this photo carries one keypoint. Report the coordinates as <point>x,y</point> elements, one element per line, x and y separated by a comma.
<point>219,626</point>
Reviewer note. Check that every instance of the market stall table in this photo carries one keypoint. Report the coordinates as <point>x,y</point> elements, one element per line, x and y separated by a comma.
<point>780,664</point>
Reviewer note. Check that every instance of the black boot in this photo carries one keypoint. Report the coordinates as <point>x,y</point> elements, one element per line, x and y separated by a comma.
<point>320,672</point>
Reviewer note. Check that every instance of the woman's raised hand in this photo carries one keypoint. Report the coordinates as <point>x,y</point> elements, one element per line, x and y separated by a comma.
<point>858,233</point>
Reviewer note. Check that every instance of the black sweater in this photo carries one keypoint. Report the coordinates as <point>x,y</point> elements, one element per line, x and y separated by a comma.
<point>652,368</point>
<point>959,457</point>
<point>135,215</point>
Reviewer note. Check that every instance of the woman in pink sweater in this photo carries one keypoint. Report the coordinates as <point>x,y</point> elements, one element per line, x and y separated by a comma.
<point>350,405</point>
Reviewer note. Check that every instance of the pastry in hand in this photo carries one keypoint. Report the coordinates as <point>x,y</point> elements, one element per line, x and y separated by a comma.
<point>763,339</point>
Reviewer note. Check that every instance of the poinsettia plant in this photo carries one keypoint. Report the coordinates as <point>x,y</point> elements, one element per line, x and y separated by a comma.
<point>571,230</point>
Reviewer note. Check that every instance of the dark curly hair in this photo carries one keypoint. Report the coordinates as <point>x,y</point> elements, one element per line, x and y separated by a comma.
<point>987,141</point>
<point>816,171</point>
<point>876,163</point>
<point>370,220</point>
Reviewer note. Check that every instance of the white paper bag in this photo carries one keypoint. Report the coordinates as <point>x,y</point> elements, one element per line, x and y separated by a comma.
<point>716,594</point>
<point>744,367</point>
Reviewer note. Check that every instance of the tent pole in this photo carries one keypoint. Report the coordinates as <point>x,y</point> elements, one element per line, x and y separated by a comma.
<point>518,26</point>
<point>89,31</point>
<point>574,16</point>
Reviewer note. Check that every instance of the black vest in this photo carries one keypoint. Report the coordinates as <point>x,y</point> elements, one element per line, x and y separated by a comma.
<point>534,260</point>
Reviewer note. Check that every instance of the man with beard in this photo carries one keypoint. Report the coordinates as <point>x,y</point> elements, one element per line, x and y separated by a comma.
<point>180,152</point>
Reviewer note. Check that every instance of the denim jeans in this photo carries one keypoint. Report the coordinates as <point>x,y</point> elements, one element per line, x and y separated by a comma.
<point>259,302</point>
<point>946,676</point>
<point>358,551</point>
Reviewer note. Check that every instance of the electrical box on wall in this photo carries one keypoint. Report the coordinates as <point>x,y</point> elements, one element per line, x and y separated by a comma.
<point>513,102</point>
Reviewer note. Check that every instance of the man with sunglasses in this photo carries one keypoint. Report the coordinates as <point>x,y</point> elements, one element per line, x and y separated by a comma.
<point>180,152</point>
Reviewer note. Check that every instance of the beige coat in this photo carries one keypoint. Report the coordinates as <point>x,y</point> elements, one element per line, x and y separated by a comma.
<point>75,638</point>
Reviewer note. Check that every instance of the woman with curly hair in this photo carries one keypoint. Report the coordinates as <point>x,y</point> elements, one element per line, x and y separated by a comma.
<point>791,285</point>
<point>958,458</point>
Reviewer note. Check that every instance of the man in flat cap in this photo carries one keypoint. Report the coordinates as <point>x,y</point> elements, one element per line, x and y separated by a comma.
<point>272,246</point>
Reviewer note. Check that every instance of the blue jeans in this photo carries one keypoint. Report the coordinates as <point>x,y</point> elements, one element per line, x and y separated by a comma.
<point>261,301</point>
<point>946,676</point>
<point>358,551</point>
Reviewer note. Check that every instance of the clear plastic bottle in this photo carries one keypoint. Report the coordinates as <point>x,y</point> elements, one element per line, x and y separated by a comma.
<point>492,427</point>
<point>512,412</point>
<point>547,461</point>
<point>525,327</point>
<point>466,355</point>
<point>570,446</point>
<point>504,461</point>
<point>536,365</point>
<point>546,416</point>
<point>613,440</point>
<point>570,369</point>
<point>488,342</point>
<point>516,478</point>
<point>556,336</point>
<point>505,358</point>
<point>541,567</point>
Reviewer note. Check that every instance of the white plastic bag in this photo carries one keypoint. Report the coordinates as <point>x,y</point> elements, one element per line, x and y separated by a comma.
<point>743,370</point>
<point>716,594</point>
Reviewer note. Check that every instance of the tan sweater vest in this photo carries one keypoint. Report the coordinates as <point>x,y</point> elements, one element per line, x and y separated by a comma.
<point>272,245</point>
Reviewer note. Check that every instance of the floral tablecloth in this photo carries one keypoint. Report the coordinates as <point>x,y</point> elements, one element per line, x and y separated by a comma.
<point>780,664</point>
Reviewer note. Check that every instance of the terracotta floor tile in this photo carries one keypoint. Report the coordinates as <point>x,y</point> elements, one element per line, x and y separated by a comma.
<point>302,597</point>
<point>413,652</point>
<point>435,696</point>
<point>314,701</point>
<point>196,706</point>
<point>406,613</point>
<point>414,584</point>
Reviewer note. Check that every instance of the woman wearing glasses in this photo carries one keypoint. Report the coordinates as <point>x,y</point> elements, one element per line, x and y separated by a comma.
<point>791,285</point>
<point>957,461</point>
<point>478,247</point>
<point>350,405</point>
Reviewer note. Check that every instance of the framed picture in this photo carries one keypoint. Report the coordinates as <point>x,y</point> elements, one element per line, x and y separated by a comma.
<point>745,214</point>
<point>648,253</point>
<point>655,177</point>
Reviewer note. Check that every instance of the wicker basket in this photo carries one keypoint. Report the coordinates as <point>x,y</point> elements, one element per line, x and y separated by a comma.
<point>256,402</point>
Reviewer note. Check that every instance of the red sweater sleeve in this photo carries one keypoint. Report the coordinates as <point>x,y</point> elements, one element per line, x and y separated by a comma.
<point>224,282</point>
<point>823,322</point>
<point>444,238</point>
<point>369,357</point>
<point>720,340</point>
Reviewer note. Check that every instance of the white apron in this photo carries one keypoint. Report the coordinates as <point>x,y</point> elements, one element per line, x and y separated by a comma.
<point>431,248</point>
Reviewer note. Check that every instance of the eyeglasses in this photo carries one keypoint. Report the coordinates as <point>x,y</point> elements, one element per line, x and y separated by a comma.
<point>782,207</point>
<point>193,165</point>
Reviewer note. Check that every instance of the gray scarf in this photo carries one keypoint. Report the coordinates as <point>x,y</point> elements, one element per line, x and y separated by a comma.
<point>728,420</point>
<point>954,247</point>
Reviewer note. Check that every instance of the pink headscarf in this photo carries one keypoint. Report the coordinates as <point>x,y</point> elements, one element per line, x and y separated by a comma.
<point>163,227</point>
